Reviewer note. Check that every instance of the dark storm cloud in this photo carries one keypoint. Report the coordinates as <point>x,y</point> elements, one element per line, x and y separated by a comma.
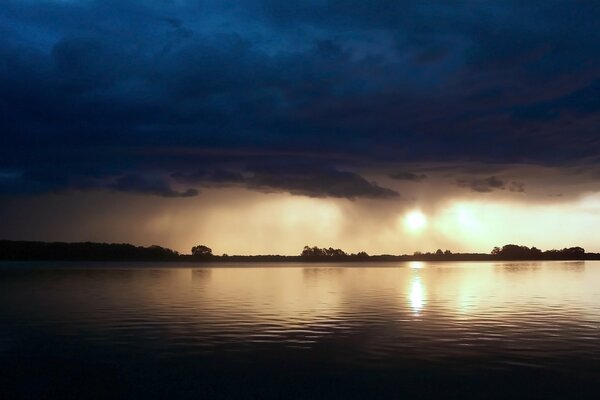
<point>408,176</point>
<point>145,185</point>
<point>490,184</point>
<point>518,187</point>
<point>319,183</point>
<point>87,88</point>
<point>297,178</point>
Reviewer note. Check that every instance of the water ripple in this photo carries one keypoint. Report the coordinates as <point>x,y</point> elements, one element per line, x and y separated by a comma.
<point>462,314</point>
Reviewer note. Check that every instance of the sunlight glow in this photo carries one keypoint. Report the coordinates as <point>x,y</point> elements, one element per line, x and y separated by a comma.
<point>237,221</point>
<point>479,226</point>
<point>415,220</point>
<point>465,217</point>
<point>276,224</point>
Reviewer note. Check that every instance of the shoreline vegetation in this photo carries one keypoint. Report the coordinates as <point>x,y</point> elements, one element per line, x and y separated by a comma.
<point>88,251</point>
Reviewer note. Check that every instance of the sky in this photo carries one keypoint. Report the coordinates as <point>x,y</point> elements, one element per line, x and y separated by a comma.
<point>261,126</point>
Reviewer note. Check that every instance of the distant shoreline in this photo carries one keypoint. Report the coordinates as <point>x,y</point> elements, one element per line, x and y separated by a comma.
<point>105,252</point>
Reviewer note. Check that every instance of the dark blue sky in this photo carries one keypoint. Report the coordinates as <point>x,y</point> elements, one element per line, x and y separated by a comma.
<point>309,97</point>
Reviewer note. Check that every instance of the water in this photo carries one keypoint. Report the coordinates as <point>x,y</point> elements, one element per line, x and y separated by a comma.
<point>425,330</point>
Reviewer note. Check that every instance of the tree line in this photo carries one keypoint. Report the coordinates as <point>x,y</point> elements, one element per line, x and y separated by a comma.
<point>88,251</point>
<point>85,251</point>
<point>516,252</point>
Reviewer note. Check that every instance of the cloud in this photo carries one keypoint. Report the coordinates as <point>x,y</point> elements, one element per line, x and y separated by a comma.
<point>486,185</point>
<point>356,86</point>
<point>295,178</point>
<point>214,177</point>
<point>516,187</point>
<point>148,185</point>
<point>319,183</point>
<point>408,176</point>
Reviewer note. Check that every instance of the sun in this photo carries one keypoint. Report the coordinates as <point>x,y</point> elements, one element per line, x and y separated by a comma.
<point>415,220</point>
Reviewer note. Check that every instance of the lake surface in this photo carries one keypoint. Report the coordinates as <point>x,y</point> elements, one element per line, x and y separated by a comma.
<point>360,330</point>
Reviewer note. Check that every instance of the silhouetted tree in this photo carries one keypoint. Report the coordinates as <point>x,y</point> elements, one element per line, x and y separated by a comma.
<point>317,252</point>
<point>311,252</point>
<point>572,253</point>
<point>575,252</point>
<point>516,252</point>
<point>334,252</point>
<point>201,251</point>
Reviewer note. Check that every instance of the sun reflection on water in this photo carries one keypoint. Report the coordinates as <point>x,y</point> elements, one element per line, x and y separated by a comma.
<point>416,264</point>
<point>417,294</point>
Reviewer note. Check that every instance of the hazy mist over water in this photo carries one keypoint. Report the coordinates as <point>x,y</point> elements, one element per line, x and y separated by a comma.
<point>250,330</point>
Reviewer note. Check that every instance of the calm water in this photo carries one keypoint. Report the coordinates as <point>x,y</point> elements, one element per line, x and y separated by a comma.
<point>428,330</point>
